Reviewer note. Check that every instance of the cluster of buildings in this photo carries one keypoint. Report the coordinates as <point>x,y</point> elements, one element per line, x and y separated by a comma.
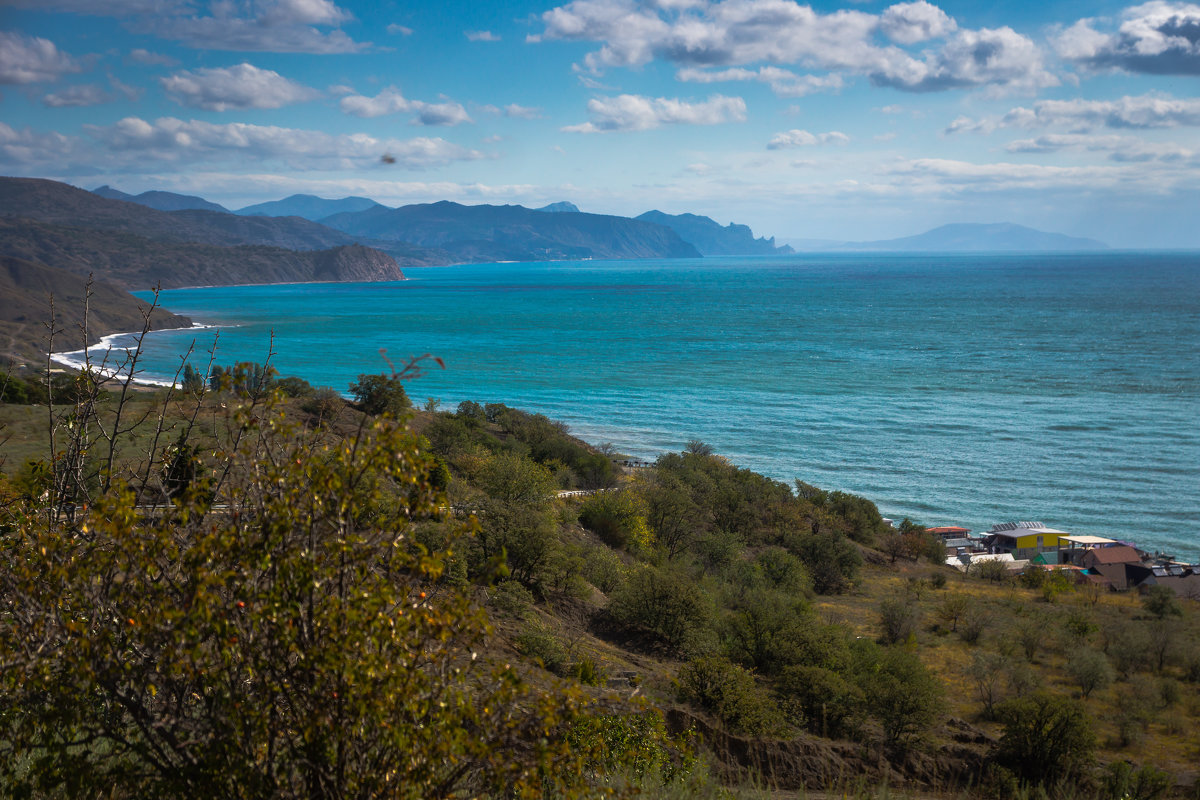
<point>1107,563</point>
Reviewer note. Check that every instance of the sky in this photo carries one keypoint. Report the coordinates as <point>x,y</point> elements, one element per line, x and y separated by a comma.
<point>835,120</point>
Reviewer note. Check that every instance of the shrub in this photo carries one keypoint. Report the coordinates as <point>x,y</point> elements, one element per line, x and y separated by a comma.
<point>1146,782</point>
<point>542,646</point>
<point>1162,602</point>
<point>381,394</point>
<point>729,693</point>
<point>898,620</point>
<point>603,569</point>
<point>990,570</point>
<point>821,700</point>
<point>325,403</point>
<point>901,693</point>
<point>832,560</point>
<point>292,387</point>
<point>785,572</point>
<point>666,603</point>
<point>1090,670</point>
<point>618,518</point>
<point>762,631</point>
<point>1045,737</point>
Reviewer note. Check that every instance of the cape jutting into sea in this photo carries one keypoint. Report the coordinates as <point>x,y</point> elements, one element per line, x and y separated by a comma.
<point>950,389</point>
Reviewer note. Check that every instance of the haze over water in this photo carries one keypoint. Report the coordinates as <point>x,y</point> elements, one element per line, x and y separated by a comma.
<point>950,389</point>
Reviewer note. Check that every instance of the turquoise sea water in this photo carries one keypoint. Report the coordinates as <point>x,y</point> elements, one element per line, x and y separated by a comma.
<point>951,389</point>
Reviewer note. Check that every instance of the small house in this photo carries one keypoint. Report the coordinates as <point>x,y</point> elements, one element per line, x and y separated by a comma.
<point>1024,540</point>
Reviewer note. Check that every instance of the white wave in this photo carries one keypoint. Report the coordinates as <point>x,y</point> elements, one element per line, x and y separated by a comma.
<point>110,356</point>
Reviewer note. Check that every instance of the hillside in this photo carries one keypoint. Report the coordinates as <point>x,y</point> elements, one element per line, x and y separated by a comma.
<point>711,239</point>
<point>786,631</point>
<point>163,201</point>
<point>514,233</point>
<point>308,206</point>
<point>25,313</point>
<point>60,204</point>
<point>135,262</point>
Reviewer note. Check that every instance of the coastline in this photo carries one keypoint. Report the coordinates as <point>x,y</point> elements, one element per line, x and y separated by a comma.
<point>78,359</point>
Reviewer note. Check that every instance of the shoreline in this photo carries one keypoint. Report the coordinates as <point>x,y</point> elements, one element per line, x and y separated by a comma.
<point>78,359</point>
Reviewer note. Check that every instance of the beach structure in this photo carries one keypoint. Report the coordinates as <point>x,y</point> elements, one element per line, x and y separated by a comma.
<point>1074,548</point>
<point>1024,540</point>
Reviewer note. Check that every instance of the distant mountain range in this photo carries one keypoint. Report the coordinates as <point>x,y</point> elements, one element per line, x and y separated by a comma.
<point>964,237</point>
<point>711,239</point>
<point>514,233</point>
<point>161,201</point>
<point>446,232</point>
<point>308,206</point>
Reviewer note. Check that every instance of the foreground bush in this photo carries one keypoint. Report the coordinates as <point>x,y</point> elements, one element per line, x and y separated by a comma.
<point>271,632</point>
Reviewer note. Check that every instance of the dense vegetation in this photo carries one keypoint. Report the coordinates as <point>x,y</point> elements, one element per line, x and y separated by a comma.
<point>251,586</point>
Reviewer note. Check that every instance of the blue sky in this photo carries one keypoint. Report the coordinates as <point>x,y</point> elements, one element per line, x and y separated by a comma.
<point>861,121</point>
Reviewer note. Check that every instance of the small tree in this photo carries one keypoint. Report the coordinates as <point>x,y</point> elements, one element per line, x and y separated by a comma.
<point>1090,670</point>
<point>1045,737</point>
<point>1162,602</point>
<point>381,394</point>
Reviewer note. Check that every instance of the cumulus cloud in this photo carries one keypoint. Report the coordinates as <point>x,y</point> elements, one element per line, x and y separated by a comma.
<point>391,101</point>
<point>482,36</point>
<point>735,33</point>
<point>784,83</point>
<point>277,26</point>
<point>909,23</point>
<point>1158,38</point>
<point>987,57</point>
<point>75,96</point>
<point>27,147</point>
<point>234,88</point>
<point>1146,111</point>
<point>168,139</point>
<point>799,138</point>
<point>31,59</point>
<point>630,112</point>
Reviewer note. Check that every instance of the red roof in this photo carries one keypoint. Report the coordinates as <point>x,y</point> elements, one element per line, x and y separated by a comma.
<point>1120,554</point>
<point>943,529</point>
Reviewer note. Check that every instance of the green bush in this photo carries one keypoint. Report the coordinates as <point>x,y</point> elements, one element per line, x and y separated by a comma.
<point>1147,782</point>
<point>823,701</point>
<point>665,603</point>
<point>381,394</point>
<point>899,619</point>
<point>603,569</point>
<point>729,693</point>
<point>618,518</point>
<point>1046,738</point>
<point>832,560</point>
<point>542,646</point>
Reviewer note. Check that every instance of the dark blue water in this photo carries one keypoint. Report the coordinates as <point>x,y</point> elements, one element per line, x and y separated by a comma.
<point>950,389</point>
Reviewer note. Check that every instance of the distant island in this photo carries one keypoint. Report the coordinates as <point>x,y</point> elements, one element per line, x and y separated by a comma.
<point>963,237</point>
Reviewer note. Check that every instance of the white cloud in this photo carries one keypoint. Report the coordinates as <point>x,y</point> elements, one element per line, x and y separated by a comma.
<point>629,112</point>
<point>732,33</point>
<point>1118,148</point>
<point>800,138</point>
<point>31,59</point>
<point>1146,111</point>
<point>998,57</point>
<point>1158,38</point>
<point>391,101</point>
<point>482,36</point>
<point>109,8</point>
<point>522,112</point>
<point>909,23</point>
<point>399,30</point>
<point>235,88</point>
<point>141,56</point>
<point>276,26</point>
<point>783,83</point>
<point>183,141</point>
<point>29,148</point>
<point>75,96</point>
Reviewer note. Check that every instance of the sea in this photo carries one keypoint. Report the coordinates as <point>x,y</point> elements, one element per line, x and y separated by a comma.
<point>949,389</point>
